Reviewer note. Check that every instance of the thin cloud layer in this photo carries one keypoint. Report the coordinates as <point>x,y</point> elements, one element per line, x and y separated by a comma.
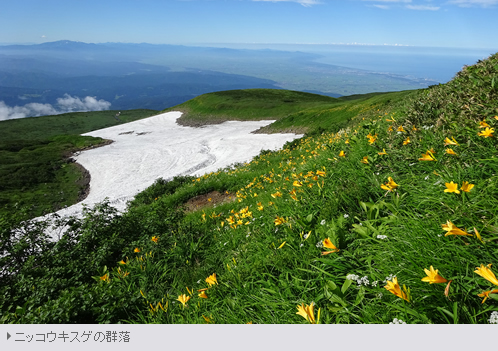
<point>65,104</point>
<point>472,3</point>
<point>305,3</point>
<point>422,7</point>
<point>433,5</point>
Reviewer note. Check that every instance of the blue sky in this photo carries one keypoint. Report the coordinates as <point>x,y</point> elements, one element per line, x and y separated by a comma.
<point>436,23</point>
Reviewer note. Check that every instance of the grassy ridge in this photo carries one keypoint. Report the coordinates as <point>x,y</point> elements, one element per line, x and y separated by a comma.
<point>294,111</point>
<point>391,219</point>
<point>36,176</point>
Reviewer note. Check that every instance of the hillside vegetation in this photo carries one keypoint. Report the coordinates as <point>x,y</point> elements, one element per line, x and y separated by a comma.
<point>36,174</point>
<point>391,219</point>
<point>294,111</point>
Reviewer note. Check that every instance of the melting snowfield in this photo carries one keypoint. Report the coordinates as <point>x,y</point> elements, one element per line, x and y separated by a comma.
<point>157,146</point>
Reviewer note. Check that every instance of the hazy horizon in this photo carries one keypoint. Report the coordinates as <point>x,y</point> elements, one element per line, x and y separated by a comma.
<point>436,23</point>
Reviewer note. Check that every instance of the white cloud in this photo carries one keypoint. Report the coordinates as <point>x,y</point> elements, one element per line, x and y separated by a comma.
<point>405,1</point>
<point>306,3</point>
<point>422,7</point>
<point>470,3</point>
<point>64,104</point>
<point>89,103</point>
<point>32,109</point>
<point>383,7</point>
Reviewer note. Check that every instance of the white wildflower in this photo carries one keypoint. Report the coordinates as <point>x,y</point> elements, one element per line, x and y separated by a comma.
<point>319,244</point>
<point>397,321</point>
<point>381,237</point>
<point>363,281</point>
<point>322,222</point>
<point>346,215</point>
<point>352,277</point>
<point>493,319</point>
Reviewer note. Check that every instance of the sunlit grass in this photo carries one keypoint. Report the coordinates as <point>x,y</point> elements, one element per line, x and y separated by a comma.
<point>354,226</point>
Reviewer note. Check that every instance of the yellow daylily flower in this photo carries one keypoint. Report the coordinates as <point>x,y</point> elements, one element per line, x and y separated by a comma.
<point>203,295</point>
<point>390,185</point>
<point>328,244</point>
<point>155,239</point>
<point>401,129</point>
<point>453,230</point>
<point>466,187</point>
<point>207,319</point>
<point>211,280</point>
<point>451,188</point>
<point>136,250</point>
<point>279,220</point>
<point>364,160</point>
<point>428,156</point>
<point>320,173</point>
<point>483,124</point>
<point>281,245</point>
<point>450,142</point>
<point>486,273</point>
<point>297,183</point>
<point>450,152</point>
<point>393,287</point>
<point>183,299</point>
<point>433,276</point>
<point>308,313</point>
<point>488,132</point>
<point>406,141</point>
<point>478,236</point>
<point>485,294</point>
<point>383,152</point>
<point>105,278</point>
<point>342,154</point>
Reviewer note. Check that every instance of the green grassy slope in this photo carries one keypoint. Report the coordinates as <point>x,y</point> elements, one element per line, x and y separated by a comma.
<point>68,123</point>
<point>35,175</point>
<point>294,111</point>
<point>393,217</point>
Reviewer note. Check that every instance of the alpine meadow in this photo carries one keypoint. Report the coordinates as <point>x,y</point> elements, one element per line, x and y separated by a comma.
<point>386,211</point>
